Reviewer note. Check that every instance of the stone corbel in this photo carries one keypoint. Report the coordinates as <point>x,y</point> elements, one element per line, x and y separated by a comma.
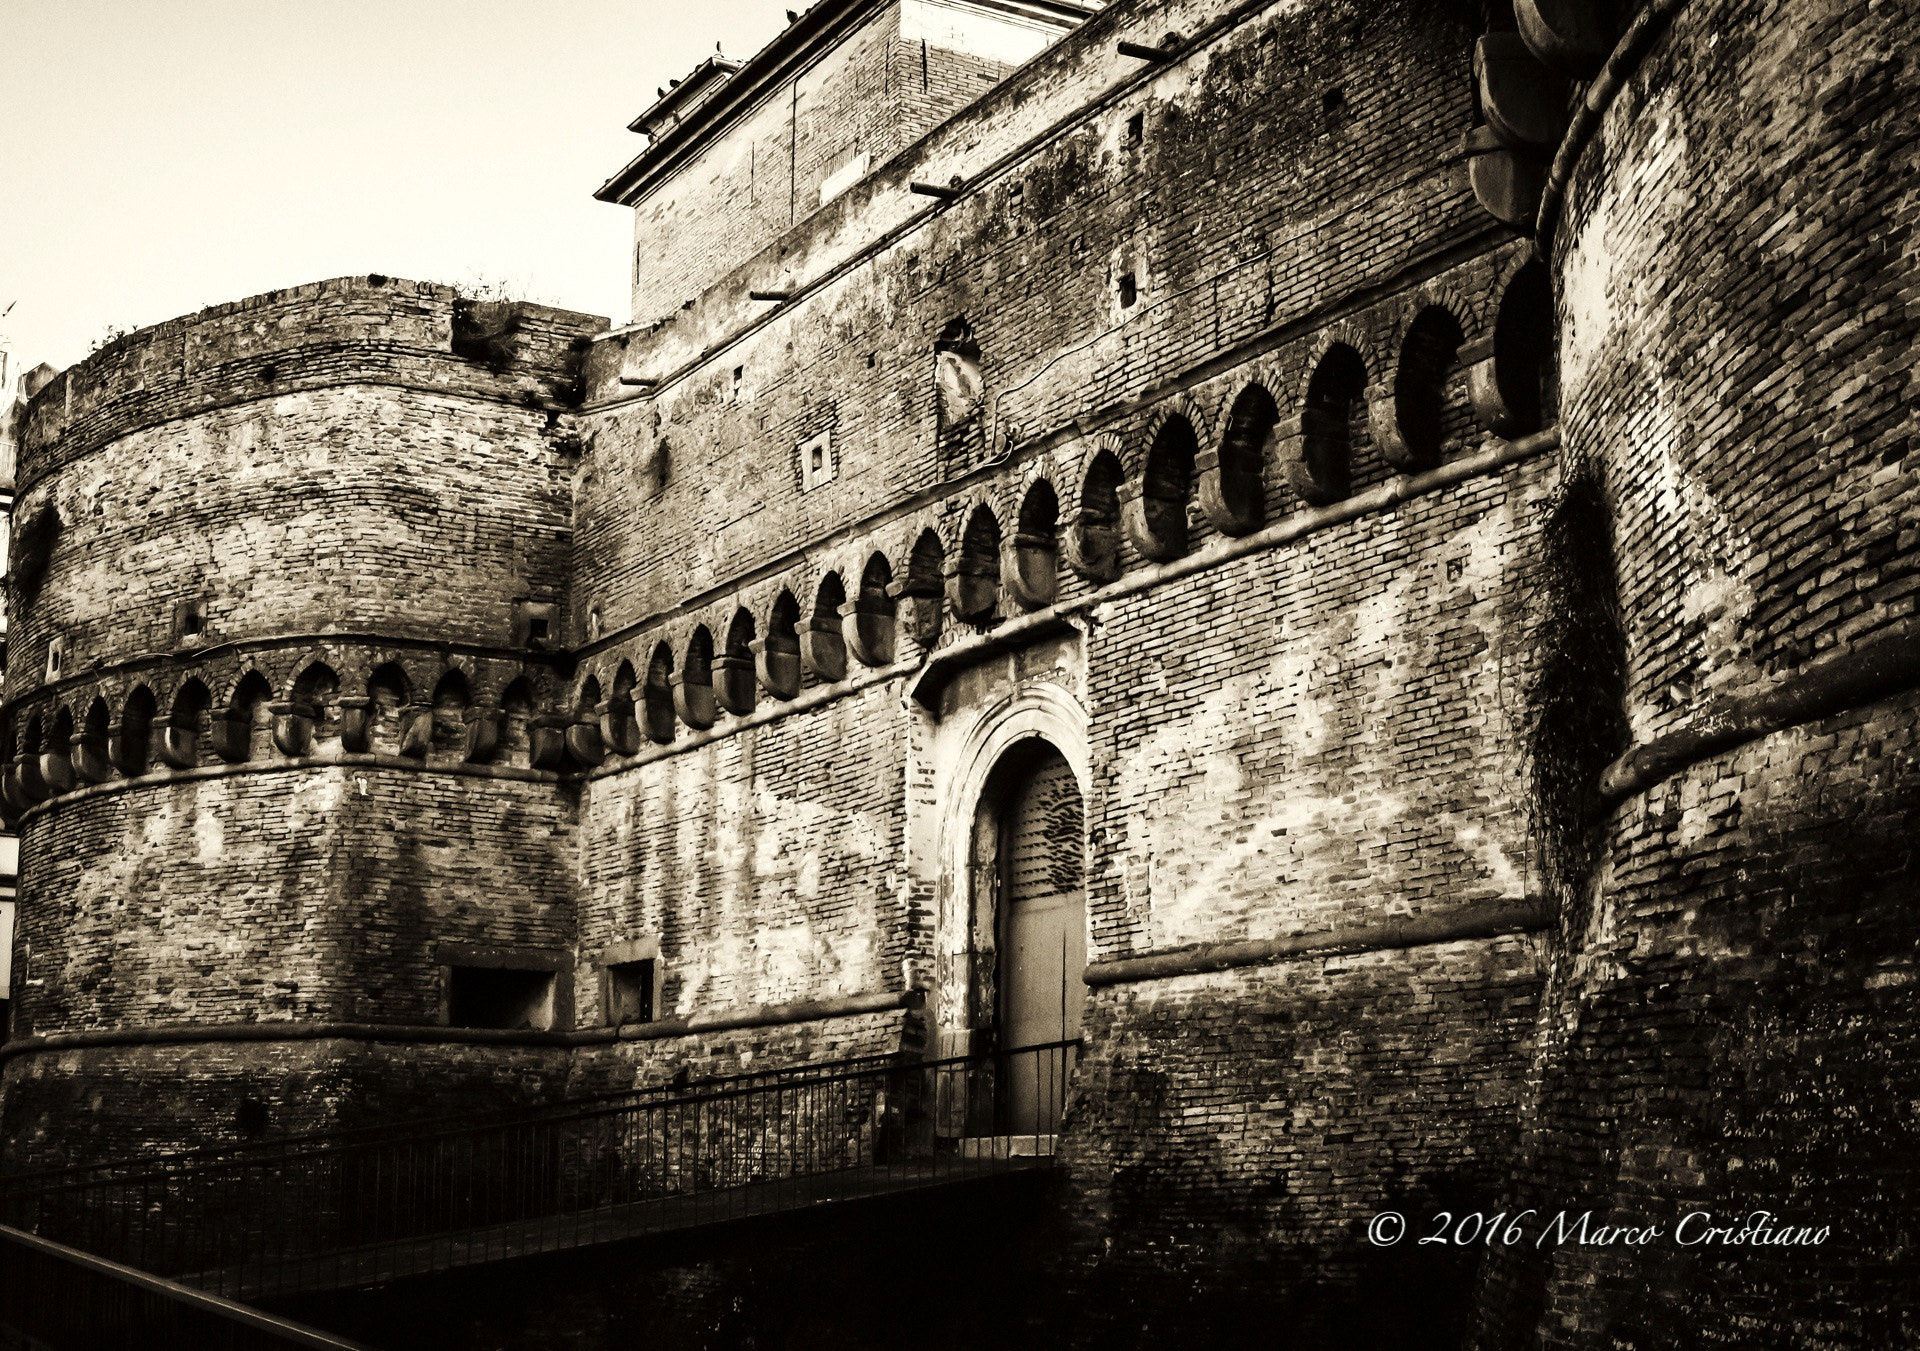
<point>619,729</point>
<point>972,591</point>
<point>733,683</point>
<point>126,751</point>
<point>56,771</point>
<point>1383,421</point>
<point>1483,387</point>
<point>918,608</point>
<point>866,623</point>
<point>1093,548</point>
<point>481,741</point>
<point>293,728</point>
<point>179,747</point>
<point>88,759</point>
<point>1318,479</point>
<point>584,743</point>
<point>1133,519</point>
<point>1507,183</point>
<point>1234,509</point>
<point>778,668</point>
<point>1029,568</point>
<point>12,796</point>
<point>416,731</point>
<point>356,724</point>
<point>1525,102</point>
<point>547,740</point>
<point>693,702</point>
<point>231,734</point>
<point>1574,37</point>
<point>824,648</point>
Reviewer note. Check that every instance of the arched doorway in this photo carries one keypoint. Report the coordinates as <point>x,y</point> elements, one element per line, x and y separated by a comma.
<point>1040,927</point>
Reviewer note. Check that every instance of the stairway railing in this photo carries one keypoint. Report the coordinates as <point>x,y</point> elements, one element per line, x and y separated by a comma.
<point>331,1213</point>
<point>52,1296</point>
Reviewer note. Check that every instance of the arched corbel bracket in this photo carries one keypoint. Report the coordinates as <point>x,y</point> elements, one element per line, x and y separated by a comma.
<point>481,741</point>
<point>778,668</point>
<point>918,609</point>
<point>733,683</point>
<point>179,747</point>
<point>1383,421</point>
<point>1524,101</point>
<point>1490,404</point>
<point>1029,568</point>
<point>547,740</point>
<point>89,759</point>
<point>356,724</point>
<point>584,743</point>
<point>1234,508</point>
<point>416,731</point>
<point>293,728</point>
<point>619,728</point>
<point>1093,547</point>
<point>824,648</point>
<point>1140,531</point>
<point>1574,37</point>
<point>866,625</point>
<point>693,702</point>
<point>1320,479</point>
<point>128,748</point>
<point>230,734</point>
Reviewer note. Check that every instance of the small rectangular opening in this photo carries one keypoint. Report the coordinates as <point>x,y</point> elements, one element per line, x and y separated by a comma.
<point>499,997</point>
<point>630,992</point>
<point>1136,128</point>
<point>1129,290</point>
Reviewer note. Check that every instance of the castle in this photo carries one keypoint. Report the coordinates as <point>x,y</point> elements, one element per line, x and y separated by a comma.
<point>1358,559</point>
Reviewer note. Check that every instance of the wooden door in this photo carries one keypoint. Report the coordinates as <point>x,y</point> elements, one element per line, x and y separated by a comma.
<point>1043,939</point>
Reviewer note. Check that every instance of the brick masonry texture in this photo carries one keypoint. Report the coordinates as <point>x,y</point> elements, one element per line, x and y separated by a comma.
<point>1296,709</point>
<point>1730,1027</point>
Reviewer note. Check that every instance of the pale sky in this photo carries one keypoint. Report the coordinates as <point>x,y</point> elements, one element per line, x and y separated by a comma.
<point>157,156</point>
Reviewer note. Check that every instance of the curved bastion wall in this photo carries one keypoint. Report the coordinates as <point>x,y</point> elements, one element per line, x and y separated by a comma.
<point>274,732</point>
<point>1729,1022</point>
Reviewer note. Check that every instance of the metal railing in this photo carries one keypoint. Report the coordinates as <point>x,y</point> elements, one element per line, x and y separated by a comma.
<point>334,1213</point>
<point>53,1298</point>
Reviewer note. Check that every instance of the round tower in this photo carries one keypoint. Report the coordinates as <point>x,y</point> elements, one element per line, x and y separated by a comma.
<point>1730,1023</point>
<point>288,576</point>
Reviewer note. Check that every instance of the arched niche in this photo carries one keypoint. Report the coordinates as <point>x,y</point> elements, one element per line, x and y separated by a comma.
<point>974,588</point>
<point>869,616</point>
<point>693,697</point>
<point>1319,451</point>
<point>734,682</point>
<point>130,736</point>
<point>619,723</point>
<point>1030,561</point>
<point>1420,426</point>
<point>1154,510</point>
<point>1513,373</point>
<point>1093,538</point>
<point>1232,479</point>
<point>776,657</point>
<point>91,763</point>
<point>184,730</point>
<point>656,696</point>
<point>921,592</point>
<point>823,649</point>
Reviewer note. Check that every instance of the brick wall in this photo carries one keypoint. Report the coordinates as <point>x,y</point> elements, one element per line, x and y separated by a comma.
<point>1729,1027</point>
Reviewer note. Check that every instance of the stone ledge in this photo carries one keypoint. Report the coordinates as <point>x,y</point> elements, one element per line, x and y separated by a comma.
<point>1482,920</point>
<point>753,1015</point>
<point>1881,665</point>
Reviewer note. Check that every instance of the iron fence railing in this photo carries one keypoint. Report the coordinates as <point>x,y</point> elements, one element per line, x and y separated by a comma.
<point>53,1298</point>
<point>332,1213</point>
